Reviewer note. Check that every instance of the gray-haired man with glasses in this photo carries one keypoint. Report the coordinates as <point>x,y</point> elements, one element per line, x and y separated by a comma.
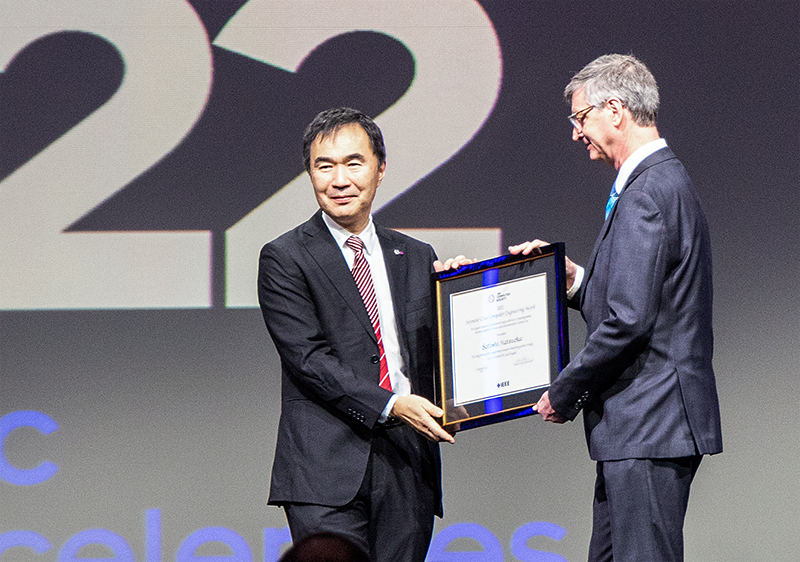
<point>644,378</point>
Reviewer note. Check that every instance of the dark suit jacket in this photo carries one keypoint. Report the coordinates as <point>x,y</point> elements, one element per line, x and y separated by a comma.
<point>331,400</point>
<point>644,378</point>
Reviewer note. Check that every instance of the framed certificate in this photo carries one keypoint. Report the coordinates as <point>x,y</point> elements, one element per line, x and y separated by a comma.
<point>502,332</point>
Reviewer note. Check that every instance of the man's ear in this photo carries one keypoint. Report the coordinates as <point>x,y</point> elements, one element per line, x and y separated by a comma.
<point>381,172</point>
<point>617,108</point>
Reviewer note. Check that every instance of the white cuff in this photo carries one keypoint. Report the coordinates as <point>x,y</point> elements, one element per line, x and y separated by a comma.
<point>576,283</point>
<point>388,409</point>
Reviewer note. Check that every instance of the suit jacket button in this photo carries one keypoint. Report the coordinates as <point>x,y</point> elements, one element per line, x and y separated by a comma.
<point>375,359</point>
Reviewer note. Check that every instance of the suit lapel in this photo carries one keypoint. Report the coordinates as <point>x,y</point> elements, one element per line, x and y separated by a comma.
<point>655,158</point>
<point>320,244</point>
<point>396,267</point>
<point>593,255</point>
<point>394,257</point>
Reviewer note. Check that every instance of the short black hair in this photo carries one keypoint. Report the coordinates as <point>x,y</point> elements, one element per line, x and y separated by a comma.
<point>331,120</point>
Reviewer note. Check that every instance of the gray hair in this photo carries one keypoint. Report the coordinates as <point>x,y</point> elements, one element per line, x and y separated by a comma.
<point>618,76</point>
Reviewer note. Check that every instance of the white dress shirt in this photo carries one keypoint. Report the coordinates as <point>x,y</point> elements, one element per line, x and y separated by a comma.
<point>634,160</point>
<point>380,280</point>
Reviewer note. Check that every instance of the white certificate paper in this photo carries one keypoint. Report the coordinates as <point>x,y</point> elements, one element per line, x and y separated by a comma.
<point>499,339</point>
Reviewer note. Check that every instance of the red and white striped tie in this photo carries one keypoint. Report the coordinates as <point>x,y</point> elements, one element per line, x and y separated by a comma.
<point>363,279</point>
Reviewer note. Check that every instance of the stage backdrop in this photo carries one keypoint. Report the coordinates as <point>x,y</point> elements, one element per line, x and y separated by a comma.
<point>148,148</point>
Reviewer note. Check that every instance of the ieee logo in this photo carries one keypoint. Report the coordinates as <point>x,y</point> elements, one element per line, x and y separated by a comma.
<point>503,384</point>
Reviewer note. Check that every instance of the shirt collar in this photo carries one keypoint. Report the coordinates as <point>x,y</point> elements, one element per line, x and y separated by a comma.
<point>634,160</point>
<point>368,236</point>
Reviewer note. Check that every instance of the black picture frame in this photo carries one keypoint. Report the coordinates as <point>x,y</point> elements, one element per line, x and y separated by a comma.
<point>501,272</point>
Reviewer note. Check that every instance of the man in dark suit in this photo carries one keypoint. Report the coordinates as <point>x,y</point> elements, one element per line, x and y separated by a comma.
<point>644,378</point>
<point>352,320</point>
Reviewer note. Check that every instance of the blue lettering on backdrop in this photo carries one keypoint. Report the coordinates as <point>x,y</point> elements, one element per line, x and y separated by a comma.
<point>274,539</point>
<point>240,550</point>
<point>152,535</point>
<point>114,542</point>
<point>45,425</point>
<point>519,542</point>
<point>24,539</point>
<point>489,548</point>
<point>492,550</point>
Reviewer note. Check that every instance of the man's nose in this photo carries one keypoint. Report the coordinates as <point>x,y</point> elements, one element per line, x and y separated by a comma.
<point>577,133</point>
<point>340,177</point>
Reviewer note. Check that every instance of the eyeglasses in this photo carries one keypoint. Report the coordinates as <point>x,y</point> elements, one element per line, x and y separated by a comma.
<point>578,117</point>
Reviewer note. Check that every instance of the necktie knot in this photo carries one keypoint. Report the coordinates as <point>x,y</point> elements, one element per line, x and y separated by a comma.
<point>612,198</point>
<point>356,244</point>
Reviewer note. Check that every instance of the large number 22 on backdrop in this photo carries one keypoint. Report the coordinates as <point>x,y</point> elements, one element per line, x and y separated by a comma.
<point>168,74</point>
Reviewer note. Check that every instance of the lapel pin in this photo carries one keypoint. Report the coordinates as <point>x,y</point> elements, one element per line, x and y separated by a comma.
<point>398,252</point>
